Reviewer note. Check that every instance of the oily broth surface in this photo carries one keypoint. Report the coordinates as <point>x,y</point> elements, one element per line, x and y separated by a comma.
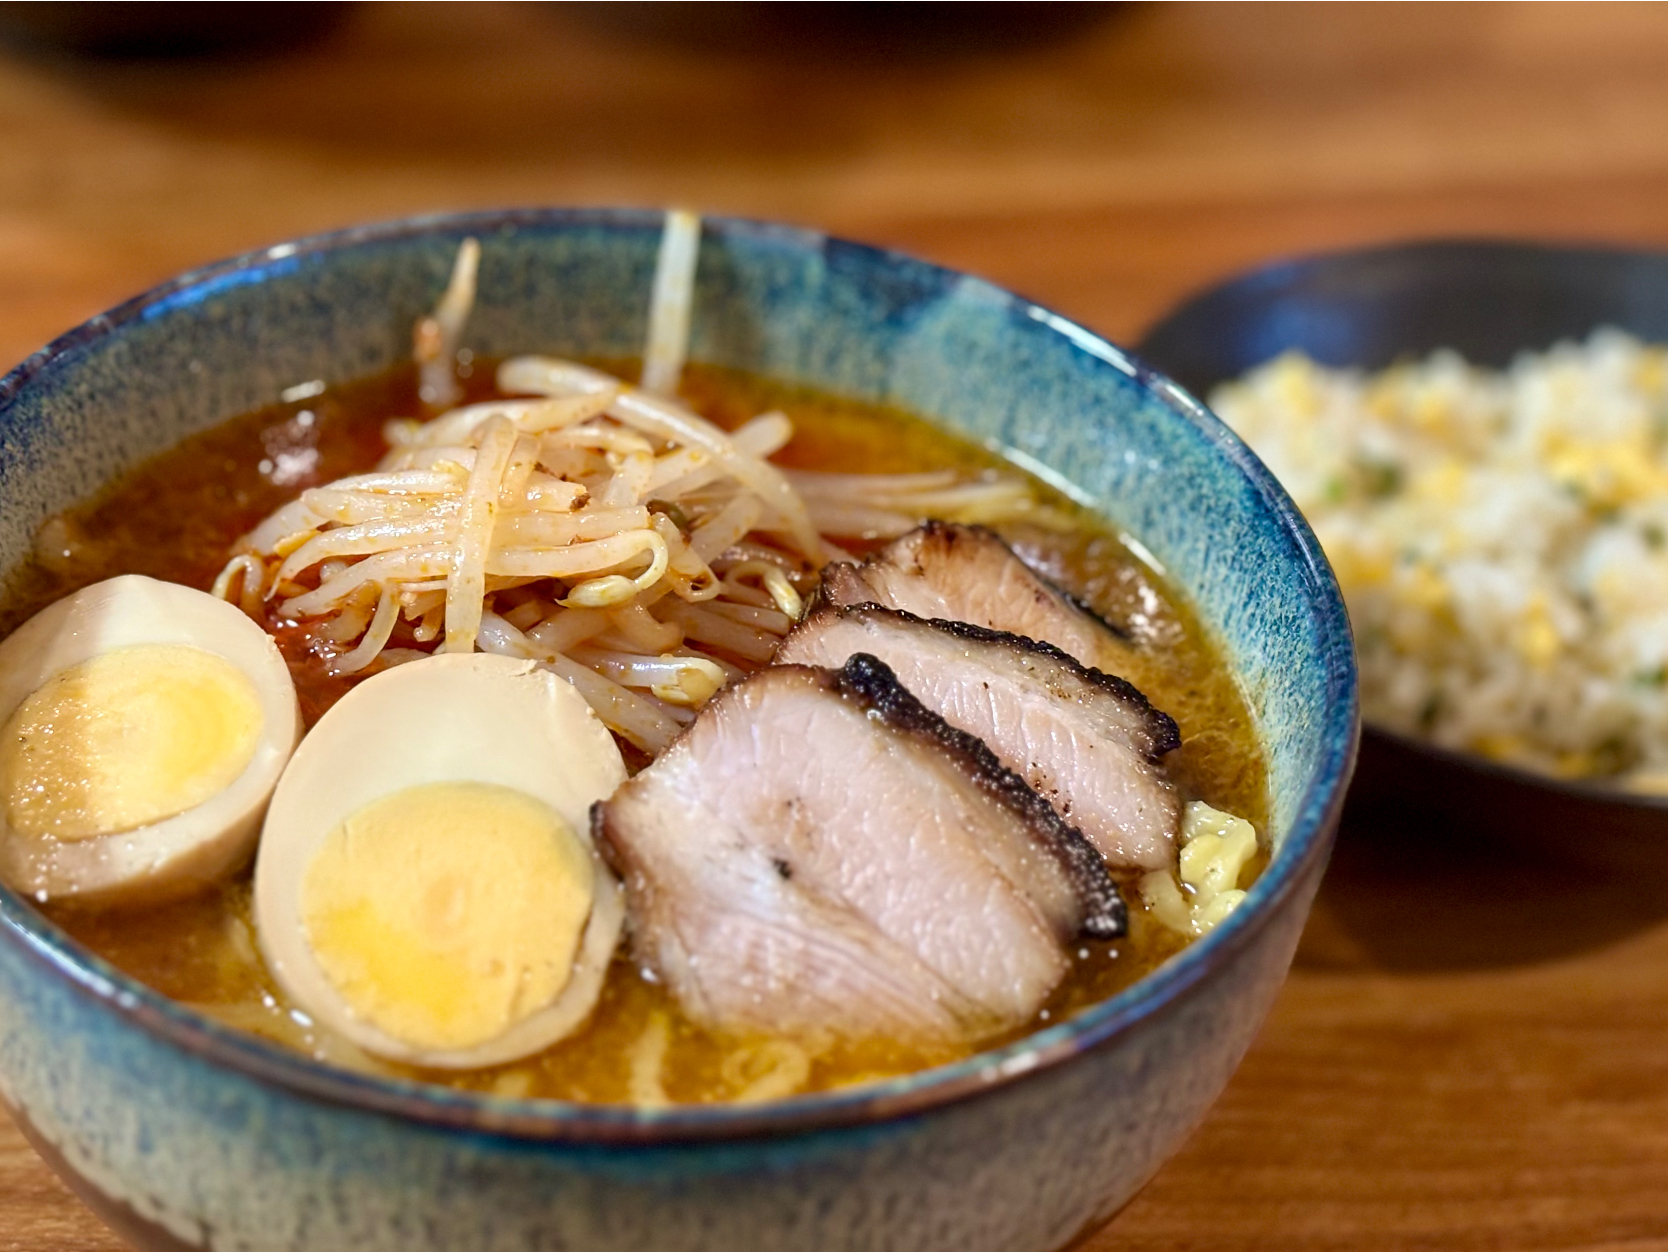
<point>175,517</point>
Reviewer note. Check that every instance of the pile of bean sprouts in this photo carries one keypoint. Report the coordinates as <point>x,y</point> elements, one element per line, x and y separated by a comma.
<point>601,529</point>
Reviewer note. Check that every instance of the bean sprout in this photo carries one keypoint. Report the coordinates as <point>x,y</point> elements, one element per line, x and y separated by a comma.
<point>436,337</point>
<point>603,530</point>
<point>670,302</point>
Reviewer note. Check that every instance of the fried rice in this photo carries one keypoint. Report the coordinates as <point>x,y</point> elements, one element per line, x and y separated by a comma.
<point>1501,537</point>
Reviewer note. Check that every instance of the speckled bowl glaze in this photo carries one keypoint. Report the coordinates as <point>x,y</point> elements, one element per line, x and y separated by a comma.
<point>182,1134</point>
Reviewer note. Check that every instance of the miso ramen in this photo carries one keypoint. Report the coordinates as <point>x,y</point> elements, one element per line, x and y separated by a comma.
<point>1100,884</point>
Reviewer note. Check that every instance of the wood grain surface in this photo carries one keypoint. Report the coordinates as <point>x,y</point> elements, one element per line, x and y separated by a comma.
<point>1472,1050</point>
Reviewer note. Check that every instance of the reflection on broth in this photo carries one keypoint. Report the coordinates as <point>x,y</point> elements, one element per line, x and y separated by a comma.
<point>175,517</point>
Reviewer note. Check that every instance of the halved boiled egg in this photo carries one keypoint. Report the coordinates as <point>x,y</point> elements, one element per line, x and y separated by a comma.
<point>426,883</point>
<point>145,725</point>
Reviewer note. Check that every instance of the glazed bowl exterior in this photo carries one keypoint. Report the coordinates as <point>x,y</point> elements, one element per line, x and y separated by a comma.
<point>182,1134</point>
<point>1488,300</point>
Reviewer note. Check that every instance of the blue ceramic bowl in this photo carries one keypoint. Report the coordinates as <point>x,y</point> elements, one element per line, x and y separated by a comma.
<point>182,1134</point>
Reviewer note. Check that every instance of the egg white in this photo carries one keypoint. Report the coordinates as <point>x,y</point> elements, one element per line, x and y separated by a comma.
<point>182,853</point>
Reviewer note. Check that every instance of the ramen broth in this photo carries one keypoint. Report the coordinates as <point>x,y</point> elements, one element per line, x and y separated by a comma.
<point>176,517</point>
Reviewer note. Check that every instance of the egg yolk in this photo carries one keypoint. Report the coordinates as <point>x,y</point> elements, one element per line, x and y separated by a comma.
<point>127,738</point>
<point>445,913</point>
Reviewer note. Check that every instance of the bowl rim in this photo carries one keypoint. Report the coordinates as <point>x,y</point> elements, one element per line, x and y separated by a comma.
<point>555,1122</point>
<point>1271,277</point>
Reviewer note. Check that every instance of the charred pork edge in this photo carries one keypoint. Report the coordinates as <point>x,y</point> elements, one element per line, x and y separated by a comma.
<point>1161,727</point>
<point>868,680</point>
<point>838,571</point>
<point>949,533</point>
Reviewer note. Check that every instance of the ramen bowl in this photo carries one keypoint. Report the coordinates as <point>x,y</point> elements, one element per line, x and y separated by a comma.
<point>183,1134</point>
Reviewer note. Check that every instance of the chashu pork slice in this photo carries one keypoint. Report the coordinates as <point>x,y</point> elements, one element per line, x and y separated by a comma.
<point>821,855</point>
<point>967,574</point>
<point>1085,741</point>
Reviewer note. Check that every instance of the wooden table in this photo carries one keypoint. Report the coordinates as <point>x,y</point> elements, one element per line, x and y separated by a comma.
<point>1472,1051</point>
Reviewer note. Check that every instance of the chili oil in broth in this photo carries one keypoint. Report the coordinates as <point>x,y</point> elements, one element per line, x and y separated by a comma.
<point>176,516</point>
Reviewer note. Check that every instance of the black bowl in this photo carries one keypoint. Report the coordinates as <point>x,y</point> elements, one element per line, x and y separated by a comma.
<point>1488,300</point>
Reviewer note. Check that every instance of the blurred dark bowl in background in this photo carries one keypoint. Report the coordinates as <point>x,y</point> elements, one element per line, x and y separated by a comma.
<point>1488,300</point>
